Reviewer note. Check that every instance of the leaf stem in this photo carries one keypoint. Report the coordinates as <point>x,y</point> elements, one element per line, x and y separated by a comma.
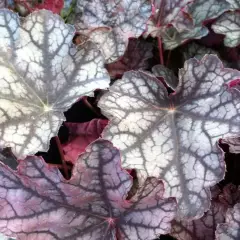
<point>64,165</point>
<point>160,50</point>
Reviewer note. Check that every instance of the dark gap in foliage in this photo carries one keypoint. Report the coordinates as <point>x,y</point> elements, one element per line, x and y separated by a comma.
<point>165,237</point>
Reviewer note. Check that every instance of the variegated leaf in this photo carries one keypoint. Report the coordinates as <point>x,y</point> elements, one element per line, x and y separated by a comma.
<point>42,75</point>
<point>229,25</point>
<point>124,19</point>
<point>175,138</point>
<point>38,203</point>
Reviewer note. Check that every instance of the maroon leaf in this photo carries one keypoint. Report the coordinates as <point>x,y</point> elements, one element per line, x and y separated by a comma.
<point>53,5</point>
<point>38,203</point>
<point>81,135</point>
<point>135,58</point>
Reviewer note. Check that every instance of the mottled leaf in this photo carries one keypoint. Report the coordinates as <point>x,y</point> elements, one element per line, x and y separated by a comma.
<point>166,73</point>
<point>172,38</point>
<point>38,203</point>
<point>197,51</point>
<point>230,230</point>
<point>229,25</point>
<point>205,227</point>
<point>235,4</point>
<point>81,135</point>
<point>175,137</point>
<point>199,11</point>
<point>165,11</point>
<point>134,58</point>
<point>42,75</point>
<point>124,19</point>
<point>202,10</point>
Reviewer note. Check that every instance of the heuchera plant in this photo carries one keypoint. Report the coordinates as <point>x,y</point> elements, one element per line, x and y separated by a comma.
<point>120,120</point>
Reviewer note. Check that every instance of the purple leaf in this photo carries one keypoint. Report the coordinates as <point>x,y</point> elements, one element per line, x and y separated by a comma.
<point>205,227</point>
<point>230,230</point>
<point>38,203</point>
<point>81,135</point>
<point>229,24</point>
<point>42,75</point>
<point>135,58</point>
<point>175,137</point>
<point>124,19</point>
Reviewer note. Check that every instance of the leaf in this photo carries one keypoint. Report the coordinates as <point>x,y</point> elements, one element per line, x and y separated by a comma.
<point>124,19</point>
<point>7,157</point>
<point>205,227</point>
<point>234,144</point>
<point>167,74</point>
<point>166,11</point>
<point>199,11</point>
<point>68,11</point>
<point>54,6</point>
<point>199,51</point>
<point>40,204</point>
<point>235,4</point>
<point>81,135</point>
<point>172,38</point>
<point>175,137</point>
<point>134,58</point>
<point>112,45</point>
<point>230,229</point>
<point>42,75</point>
<point>229,24</point>
<point>3,3</point>
<point>202,10</point>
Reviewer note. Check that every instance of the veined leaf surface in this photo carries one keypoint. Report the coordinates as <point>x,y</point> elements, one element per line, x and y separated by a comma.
<point>42,75</point>
<point>175,138</point>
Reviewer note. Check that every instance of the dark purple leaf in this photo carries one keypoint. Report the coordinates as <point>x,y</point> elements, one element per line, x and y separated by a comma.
<point>135,58</point>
